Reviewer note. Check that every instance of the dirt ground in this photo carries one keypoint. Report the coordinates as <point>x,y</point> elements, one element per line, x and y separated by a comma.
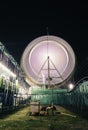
<point>62,120</point>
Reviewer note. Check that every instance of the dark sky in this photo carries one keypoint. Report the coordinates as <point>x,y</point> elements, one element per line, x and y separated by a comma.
<point>22,22</point>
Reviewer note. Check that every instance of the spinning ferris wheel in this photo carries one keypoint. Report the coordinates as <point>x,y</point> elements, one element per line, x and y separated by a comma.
<point>48,60</point>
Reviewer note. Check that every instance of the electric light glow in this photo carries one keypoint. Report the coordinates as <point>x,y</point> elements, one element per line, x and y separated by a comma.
<point>71,86</point>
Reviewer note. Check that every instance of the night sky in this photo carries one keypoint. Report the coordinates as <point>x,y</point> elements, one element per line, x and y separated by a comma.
<point>20,23</point>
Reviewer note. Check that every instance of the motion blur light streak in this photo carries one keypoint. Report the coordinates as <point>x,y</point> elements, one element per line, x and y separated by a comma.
<point>48,57</point>
<point>6,70</point>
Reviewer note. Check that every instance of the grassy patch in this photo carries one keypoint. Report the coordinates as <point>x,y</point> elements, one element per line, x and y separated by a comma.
<point>21,120</point>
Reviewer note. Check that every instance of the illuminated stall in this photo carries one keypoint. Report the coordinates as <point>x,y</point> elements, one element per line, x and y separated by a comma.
<point>11,80</point>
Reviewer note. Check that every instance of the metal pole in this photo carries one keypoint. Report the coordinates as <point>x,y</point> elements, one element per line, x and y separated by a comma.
<point>48,73</point>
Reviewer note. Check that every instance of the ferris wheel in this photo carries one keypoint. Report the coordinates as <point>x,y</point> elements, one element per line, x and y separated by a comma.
<point>48,60</point>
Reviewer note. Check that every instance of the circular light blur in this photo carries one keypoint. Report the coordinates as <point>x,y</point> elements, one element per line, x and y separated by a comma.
<point>71,86</point>
<point>61,56</point>
<point>40,53</point>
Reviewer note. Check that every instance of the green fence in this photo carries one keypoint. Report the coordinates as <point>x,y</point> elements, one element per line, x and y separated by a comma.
<point>77,99</point>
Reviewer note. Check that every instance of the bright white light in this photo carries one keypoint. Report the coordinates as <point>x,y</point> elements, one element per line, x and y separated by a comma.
<point>23,93</point>
<point>16,82</point>
<point>7,70</point>
<point>71,86</point>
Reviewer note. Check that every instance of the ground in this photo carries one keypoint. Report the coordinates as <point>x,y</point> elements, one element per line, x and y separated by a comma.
<point>65,120</point>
